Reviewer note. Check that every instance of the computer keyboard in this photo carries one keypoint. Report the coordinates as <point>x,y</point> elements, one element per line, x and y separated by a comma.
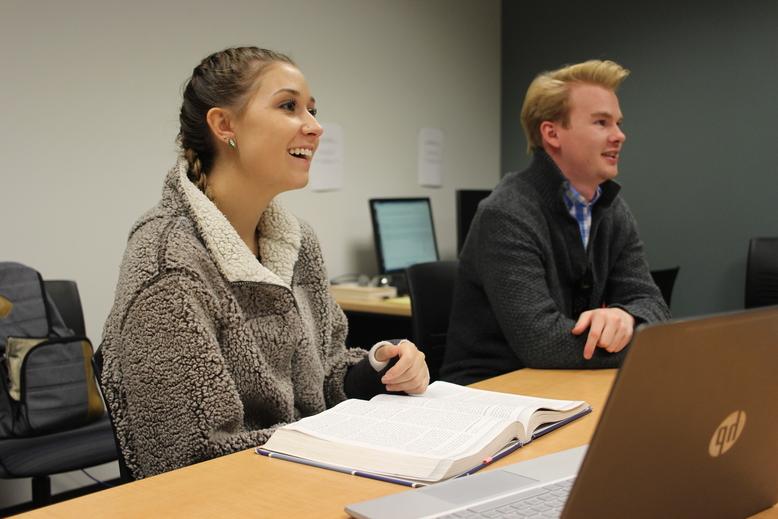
<point>544,502</point>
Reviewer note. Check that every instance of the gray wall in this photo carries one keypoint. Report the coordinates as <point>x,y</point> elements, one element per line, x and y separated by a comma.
<point>700,166</point>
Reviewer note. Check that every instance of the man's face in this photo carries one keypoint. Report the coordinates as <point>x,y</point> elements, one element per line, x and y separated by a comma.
<point>589,146</point>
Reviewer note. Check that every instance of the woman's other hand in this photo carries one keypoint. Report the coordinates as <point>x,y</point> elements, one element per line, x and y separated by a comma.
<point>410,373</point>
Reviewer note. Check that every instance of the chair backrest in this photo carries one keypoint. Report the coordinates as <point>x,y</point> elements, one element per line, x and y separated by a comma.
<point>762,272</point>
<point>665,280</point>
<point>467,201</point>
<point>65,295</point>
<point>58,451</point>
<point>431,287</point>
<point>97,366</point>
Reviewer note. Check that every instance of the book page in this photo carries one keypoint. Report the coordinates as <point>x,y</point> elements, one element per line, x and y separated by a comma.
<point>519,408</point>
<point>437,433</point>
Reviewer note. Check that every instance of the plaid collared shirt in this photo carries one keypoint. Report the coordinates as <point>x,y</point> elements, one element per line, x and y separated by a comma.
<point>580,209</point>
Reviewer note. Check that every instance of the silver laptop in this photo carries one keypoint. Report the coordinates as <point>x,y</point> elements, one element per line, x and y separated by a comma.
<point>690,429</point>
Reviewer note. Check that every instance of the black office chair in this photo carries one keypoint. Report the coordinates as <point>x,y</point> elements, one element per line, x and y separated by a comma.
<point>665,281</point>
<point>38,457</point>
<point>431,287</point>
<point>762,272</point>
<point>97,365</point>
<point>66,298</point>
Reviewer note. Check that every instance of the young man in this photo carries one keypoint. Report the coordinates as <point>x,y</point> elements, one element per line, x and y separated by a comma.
<point>553,274</point>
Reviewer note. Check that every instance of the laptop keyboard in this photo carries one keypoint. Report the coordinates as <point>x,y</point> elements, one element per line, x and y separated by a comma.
<point>543,502</point>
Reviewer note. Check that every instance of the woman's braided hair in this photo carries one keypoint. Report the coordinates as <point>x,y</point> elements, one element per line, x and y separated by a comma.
<point>223,79</point>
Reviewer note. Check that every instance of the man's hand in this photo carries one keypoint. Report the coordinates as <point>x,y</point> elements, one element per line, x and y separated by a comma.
<point>609,328</point>
<point>410,373</point>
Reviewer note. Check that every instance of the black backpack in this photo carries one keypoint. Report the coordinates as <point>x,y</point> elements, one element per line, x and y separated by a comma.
<point>46,378</point>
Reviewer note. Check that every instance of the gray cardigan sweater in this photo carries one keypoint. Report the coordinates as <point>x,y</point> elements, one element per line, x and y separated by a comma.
<point>525,277</point>
<point>206,350</point>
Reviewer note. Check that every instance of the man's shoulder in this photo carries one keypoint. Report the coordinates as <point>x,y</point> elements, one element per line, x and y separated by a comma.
<point>515,194</point>
<point>513,211</point>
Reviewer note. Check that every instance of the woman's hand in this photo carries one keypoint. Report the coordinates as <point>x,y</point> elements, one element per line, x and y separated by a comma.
<point>410,373</point>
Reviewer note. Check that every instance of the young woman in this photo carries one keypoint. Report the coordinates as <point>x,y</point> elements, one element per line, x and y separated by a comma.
<point>223,327</point>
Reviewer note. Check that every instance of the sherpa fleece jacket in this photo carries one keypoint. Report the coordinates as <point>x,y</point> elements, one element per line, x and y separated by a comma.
<point>525,277</point>
<point>207,350</point>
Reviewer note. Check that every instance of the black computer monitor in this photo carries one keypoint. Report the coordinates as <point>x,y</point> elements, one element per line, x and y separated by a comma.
<point>403,232</point>
<point>467,204</point>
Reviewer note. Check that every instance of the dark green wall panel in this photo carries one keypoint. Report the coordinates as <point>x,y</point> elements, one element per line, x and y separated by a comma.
<point>700,165</point>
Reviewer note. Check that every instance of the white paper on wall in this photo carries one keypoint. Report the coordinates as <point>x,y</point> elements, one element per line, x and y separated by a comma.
<point>326,172</point>
<point>430,153</point>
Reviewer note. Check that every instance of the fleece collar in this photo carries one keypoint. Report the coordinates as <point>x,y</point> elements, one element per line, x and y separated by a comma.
<point>279,238</point>
<point>544,174</point>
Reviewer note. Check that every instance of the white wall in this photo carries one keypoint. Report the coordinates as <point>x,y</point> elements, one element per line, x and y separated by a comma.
<point>90,93</point>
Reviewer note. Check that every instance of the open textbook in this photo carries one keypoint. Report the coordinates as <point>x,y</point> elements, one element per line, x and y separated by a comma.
<point>448,431</point>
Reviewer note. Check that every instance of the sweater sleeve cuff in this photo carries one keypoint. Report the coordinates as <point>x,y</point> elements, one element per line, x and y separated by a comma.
<point>638,319</point>
<point>362,381</point>
<point>380,365</point>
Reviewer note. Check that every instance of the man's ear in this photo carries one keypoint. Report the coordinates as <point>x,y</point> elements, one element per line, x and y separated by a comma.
<point>220,122</point>
<point>549,134</point>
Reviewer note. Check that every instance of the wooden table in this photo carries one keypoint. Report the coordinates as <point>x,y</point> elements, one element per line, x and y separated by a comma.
<point>398,306</point>
<point>245,484</point>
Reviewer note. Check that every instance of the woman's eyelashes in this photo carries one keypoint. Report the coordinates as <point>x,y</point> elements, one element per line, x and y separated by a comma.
<point>291,106</point>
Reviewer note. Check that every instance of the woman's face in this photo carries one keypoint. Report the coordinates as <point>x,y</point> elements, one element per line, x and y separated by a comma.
<point>277,133</point>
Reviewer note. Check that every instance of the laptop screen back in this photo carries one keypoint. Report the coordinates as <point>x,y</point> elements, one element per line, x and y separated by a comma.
<point>692,421</point>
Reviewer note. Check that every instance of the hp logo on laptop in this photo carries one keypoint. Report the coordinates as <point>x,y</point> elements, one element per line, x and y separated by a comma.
<point>727,433</point>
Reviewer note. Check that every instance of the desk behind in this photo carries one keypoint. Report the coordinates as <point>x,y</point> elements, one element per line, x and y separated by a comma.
<point>398,306</point>
<point>372,321</point>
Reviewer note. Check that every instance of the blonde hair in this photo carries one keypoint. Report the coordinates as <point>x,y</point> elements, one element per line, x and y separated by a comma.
<point>548,95</point>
